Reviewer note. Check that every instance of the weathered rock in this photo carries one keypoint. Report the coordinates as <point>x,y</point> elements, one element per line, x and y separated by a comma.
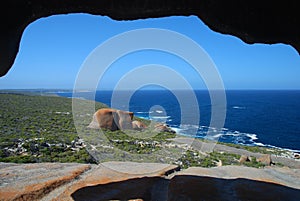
<point>117,181</point>
<point>159,127</point>
<point>252,21</point>
<point>33,181</point>
<point>145,181</point>
<point>112,119</point>
<point>138,125</point>
<point>222,183</point>
<point>265,159</point>
<point>219,163</point>
<point>243,159</point>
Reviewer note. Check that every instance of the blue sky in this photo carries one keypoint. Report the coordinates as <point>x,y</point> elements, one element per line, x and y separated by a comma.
<point>53,49</point>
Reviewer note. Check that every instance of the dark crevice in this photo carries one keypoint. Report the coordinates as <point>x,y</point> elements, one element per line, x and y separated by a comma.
<point>187,187</point>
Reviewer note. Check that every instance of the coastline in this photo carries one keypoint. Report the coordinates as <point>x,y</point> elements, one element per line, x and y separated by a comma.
<point>242,129</point>
<point>290,152</point>
<point>220,147</point>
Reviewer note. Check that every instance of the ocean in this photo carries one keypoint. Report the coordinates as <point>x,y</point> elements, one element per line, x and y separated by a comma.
<point>269,118</point>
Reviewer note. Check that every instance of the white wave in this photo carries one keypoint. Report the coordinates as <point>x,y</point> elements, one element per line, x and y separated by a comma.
<point>183,132</point>
<point>185,129</point>
<point>238,107</point>
<point>247,139</point>
<point>142,112</point>
<point>217,135</point>
<point>252,136</point>
<point>177,130</point>
<point>212,129</point>
<point>160,117</point>
<point>259,144</point>
<point>232,134</point>
<point>187,126</point>
<point>275,147</point>
<point>159,111</point>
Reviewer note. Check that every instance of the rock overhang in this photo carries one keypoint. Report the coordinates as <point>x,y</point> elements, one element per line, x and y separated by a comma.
<point>252,22</point>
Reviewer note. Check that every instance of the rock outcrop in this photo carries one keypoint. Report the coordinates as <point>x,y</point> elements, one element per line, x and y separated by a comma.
<point>112,119</point>
<point>34,181</point>
<point>265,159</point>
<point>138,125</point>
<point>159,127</point>
<point>244,159</point>
<point>145,181</point>
<point>252,21</point>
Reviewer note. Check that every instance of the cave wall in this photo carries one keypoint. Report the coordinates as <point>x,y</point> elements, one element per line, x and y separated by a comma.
<point>252,21</point>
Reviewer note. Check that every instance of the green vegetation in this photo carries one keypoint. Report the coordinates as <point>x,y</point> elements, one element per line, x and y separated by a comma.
<point>196,159</point>
<point>41,129</point>
<point>52,155</point>
<point>137,144</point>
<point>256,149</point>
<point>37,128</point>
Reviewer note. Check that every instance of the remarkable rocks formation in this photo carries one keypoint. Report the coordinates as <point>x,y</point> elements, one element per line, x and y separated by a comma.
<point>112,119</point>
<point>252,21</point>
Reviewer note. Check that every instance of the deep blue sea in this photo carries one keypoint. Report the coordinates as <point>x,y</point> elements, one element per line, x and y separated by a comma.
<point>255,117</point>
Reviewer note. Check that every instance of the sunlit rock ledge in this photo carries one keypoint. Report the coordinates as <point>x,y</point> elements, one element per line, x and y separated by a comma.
<point>145,181</point>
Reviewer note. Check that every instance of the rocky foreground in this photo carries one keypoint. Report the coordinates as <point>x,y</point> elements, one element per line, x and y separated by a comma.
<point>145,181</point>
